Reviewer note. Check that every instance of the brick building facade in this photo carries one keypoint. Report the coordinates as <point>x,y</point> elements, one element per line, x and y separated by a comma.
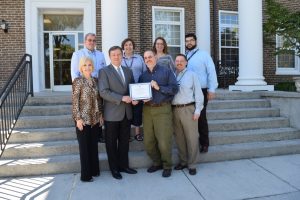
<point>13,45</point>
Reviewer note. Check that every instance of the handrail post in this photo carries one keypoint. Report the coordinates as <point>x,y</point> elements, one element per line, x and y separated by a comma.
<point>31,75</point>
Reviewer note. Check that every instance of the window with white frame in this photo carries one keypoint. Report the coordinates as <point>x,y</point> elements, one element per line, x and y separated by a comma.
<point>286,63</point>
<point>169,24</point>
<point>228,38</point>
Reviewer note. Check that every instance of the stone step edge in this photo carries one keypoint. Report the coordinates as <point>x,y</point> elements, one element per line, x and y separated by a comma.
<point>69,117</point>
<point>212,147</point>
<point>216,134</point>
<point>70,132</point>
<point>61,164</point>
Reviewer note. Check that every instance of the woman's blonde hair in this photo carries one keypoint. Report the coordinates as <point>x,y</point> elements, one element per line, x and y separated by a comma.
<point>82,61</point>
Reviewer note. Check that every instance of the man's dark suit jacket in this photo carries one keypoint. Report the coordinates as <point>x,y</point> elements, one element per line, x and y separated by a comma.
<point>112,90</point>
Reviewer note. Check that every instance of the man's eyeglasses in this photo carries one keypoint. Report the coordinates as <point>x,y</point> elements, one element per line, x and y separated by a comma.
<point>90,40</point>
<point>191,40</point>
<point>149,57</point>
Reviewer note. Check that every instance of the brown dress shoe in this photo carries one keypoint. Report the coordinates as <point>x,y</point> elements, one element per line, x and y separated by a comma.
<point>154,168</point>
<point>180,167</point>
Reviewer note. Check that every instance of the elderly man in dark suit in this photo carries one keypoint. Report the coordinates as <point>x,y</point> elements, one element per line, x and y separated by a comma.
<point>114,81</point>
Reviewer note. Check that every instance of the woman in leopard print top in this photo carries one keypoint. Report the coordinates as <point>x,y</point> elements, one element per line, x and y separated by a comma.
<point>87,113</point>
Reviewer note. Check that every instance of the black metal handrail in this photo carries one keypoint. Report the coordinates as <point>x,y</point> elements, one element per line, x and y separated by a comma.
<point>227,73</point>
<point>13,97</point>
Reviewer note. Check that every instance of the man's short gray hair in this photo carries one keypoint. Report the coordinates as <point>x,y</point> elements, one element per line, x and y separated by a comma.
<point>89,34</point>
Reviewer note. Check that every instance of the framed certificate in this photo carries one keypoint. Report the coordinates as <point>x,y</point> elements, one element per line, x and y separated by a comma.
<point>140,91</point>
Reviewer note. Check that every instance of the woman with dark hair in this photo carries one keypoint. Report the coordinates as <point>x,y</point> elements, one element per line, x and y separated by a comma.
<point>160,48</point>
<point>136,63</point>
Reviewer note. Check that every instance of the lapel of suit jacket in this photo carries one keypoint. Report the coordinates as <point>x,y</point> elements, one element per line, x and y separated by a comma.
<point>116,74</point>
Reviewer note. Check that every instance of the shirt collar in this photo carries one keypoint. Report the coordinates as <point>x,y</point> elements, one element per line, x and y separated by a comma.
<point>154,68</point>
<point>182,72</point>
<point>89,51</point>
<point>191,51</point>
<point>116,68</point>
<point>133,56</point>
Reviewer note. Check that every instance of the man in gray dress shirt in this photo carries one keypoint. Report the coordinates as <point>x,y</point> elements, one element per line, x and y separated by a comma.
<point>90,51</point>
<point>187,105</point>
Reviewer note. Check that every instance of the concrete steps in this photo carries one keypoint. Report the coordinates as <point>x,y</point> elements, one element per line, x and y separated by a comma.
<point>249,123</point>
<point>42,134</point>
<point>48,110</point>
<point>252,135</point>
<point>139,159</point>
<point>242,125</point>
<point>38,149</point>
<point>238,103</point>
<point>242,113</point>
<point>52,148</point>
<point>220,123</point>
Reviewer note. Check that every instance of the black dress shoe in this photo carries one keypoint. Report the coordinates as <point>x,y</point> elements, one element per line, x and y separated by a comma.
<point>154,168</point>
<point>192,171</point>
<point>87,180</point>
<point>166,173</point>
<point>116,174</point>
<point>128,170</point>
<point>180,167</point>
<point>204,149</point>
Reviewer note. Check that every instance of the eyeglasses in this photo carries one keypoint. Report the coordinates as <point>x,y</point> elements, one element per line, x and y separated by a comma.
<point>149,57</point>
<point>90,40</point>
<point>191,40</point>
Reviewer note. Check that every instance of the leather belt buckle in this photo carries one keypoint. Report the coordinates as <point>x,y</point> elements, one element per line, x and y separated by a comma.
<point>183,105</point>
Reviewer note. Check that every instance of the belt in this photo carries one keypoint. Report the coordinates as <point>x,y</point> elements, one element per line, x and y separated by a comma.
<point>183,105</point>
<point>156,104</point>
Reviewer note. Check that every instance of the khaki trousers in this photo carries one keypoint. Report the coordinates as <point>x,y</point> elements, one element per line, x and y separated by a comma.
<point>186,135</point>
<point>158,132</point>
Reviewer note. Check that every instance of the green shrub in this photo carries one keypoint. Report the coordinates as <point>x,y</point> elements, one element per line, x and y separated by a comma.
<point>285,86</point>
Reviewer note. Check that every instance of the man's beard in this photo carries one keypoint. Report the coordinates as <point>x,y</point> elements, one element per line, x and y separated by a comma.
<point>191,48</point>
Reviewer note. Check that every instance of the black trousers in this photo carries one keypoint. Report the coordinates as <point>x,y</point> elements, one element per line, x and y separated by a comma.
<point>88,150</point>
<point>202,122</point>
<point>117,143</point>
<point>137,112</point>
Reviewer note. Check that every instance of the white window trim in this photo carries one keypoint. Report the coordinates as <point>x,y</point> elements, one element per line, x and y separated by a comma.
<point>33,28</point>
<point>220,47</point>
<point>181,23</point>
<point>287,71</point>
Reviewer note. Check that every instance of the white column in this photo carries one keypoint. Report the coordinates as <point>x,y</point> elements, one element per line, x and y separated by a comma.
<point>114,24</point>
<point>250,48</point>
<point>203,24</point>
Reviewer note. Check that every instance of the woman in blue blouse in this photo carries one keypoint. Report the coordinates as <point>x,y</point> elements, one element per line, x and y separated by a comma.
<point>136,63</point>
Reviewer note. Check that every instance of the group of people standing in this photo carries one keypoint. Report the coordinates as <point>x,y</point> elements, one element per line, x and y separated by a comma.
<point>180,92</point>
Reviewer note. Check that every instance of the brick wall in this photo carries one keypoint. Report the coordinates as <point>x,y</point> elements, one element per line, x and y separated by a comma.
<point>98,25</point>
<point>12,44</point>
<point>134,23</point>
